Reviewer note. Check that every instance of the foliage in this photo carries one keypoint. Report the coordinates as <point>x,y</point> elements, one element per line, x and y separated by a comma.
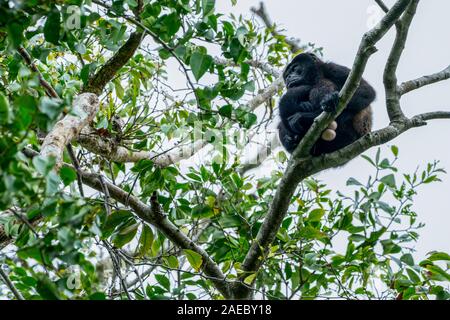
<point>66,246</point>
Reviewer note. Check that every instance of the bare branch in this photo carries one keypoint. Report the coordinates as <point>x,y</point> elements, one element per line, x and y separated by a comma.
<point>29,61</point>
<point>431,116</point>
<point>411,85</point>
<point>10,285</point>
<point>390,78</point>
<point>264,66</point>
<point>383,6</point>
<point>264,16</point>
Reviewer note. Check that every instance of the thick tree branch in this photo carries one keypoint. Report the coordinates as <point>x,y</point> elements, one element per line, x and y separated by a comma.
<point>153,215</point>
<point>98,81</point>
<point>85,107</point>
<point>390,77</point>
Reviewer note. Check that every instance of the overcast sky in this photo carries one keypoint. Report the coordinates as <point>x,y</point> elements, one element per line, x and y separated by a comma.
<point>337,26</point>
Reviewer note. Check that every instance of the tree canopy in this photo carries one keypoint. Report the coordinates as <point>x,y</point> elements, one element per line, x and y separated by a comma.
<point>133,138</point>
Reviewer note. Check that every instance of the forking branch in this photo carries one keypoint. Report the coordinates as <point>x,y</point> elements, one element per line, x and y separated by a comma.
<point>302,165</point>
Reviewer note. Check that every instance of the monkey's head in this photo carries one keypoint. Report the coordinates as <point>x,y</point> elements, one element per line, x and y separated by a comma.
<point>304,69</point>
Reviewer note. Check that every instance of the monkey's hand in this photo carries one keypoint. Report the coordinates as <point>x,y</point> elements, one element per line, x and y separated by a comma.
<point>330,101</point>
<point>295,123</point>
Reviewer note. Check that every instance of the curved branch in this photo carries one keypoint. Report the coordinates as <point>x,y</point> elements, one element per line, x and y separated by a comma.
<point>390,77</point>
<point>264,16</point>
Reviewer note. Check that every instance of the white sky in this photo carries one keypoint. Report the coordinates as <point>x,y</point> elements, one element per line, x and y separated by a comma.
<point>337,26</point>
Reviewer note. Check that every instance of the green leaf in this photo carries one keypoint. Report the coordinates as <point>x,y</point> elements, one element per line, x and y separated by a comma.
<point>208,6</point>
<point>200,63</point>
<point>4,109</point>
<point>52,26</point>
<point>408,259</point>
<point>249,279</point>
<point>146,240</point>
<point>202,211</point>
<point>226,110</point>
<point>389,180</point>
<point>43,164</point>
<point>125,235</point>
<point>52,183</point>
<point>50,106</point>
<point>316,215</point>
<point>439,256</point>
<point>437,273</point>
<point>413,276</point>
<point>353,182</point>
<point>172,23</point>
<point>195,259</point>
<point>357,237</point>
<point>163,281</point>
<point>97,296</point>
<point>15,33</point>
<point>172,262</point>
<point>394,150</point>
<point>389,247</point>
<point>311,233</point>
<point>119,217</point>
<point>47,289</point>
<point>68,175</point>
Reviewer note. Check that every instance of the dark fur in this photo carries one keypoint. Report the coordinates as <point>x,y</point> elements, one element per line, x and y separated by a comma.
<point>313,87</point>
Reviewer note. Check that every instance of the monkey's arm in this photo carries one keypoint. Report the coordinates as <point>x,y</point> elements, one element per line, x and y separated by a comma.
<point>299,116</point>
<point>325,96</point>
<point>301,121</point>
<point>364,95</point>
<point>293,105</point>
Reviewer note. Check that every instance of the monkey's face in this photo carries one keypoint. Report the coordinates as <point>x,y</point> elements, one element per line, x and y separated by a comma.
<point>303,70</point>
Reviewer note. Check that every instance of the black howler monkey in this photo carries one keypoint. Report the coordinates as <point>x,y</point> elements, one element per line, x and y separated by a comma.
<point>312,87</point>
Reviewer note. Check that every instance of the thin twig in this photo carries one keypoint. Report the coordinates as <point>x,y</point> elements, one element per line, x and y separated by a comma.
<point>10,285</point>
